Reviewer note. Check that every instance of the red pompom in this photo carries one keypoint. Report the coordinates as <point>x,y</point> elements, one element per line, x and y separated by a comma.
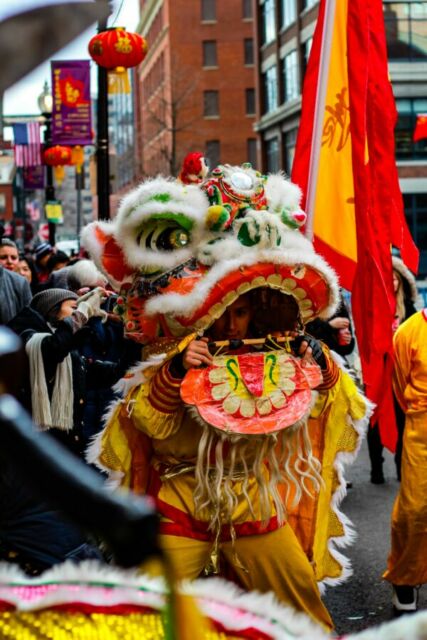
<point>194,168</point>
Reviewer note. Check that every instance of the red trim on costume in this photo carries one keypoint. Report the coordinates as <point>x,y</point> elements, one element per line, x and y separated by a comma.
<point>168,378</point>
<point>424,312</point>
<point>123,609</point>
<point>164,391</point>
<point>330,375</point>
<point>184,525</point>
<point>250,633</point>
<point>255,527</point>
<point>175,529</point>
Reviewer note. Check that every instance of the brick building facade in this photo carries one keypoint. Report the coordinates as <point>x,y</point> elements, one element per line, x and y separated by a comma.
<point>196,88</point>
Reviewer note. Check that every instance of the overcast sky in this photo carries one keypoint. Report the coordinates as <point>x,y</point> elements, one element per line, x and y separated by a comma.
<point>22,97</point>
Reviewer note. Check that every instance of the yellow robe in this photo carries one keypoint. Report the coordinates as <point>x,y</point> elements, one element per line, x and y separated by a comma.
<point>407,563</point>
<point>137,435</point>
<point>152,442</point>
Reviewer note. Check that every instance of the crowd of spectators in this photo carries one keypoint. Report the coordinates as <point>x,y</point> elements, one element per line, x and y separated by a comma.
<point>75,351</point>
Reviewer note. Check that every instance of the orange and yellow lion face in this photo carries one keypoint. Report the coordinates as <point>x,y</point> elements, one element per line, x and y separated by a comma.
<point>178,255</point>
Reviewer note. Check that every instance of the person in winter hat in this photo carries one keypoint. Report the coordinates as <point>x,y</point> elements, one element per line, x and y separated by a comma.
<point>15,294</point>
<point>58,375</point>
<point>42,254</point>
<point>103,340</point>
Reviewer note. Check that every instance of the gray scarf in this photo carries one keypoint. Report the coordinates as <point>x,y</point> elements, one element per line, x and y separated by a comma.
<point>57,412</point>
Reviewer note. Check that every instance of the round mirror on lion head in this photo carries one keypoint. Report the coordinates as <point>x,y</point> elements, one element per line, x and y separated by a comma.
<point>241,181</point>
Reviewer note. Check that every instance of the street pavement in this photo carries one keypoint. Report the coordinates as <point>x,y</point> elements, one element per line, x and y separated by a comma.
<point>365,600</point>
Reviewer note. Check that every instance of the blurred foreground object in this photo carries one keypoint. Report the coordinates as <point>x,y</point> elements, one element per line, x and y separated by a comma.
<point>30,37</point>
<point>128,524</point>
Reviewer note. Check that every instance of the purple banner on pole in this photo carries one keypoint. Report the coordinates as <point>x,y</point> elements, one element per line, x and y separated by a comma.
<point>71,116</point>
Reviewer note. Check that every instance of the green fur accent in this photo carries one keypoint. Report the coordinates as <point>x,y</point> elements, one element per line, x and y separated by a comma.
<point>220,222</point>
<point>216,197</point>
<point>248,240</point>
<point>180,218</point>
<point>160,197</point>
<point>245,238</point>
<point>287,219</point>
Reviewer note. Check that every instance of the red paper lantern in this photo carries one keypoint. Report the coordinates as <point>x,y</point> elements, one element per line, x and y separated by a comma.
<point>57,156</point>
<point>117,49</point>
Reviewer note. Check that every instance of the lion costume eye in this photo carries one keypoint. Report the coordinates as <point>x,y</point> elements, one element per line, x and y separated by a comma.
<point>163,236</point>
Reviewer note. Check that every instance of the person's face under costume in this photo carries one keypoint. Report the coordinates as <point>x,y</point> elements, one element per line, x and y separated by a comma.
<point>234,323</point>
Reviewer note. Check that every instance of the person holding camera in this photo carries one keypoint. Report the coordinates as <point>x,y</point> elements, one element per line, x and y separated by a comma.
<point>58,376</point>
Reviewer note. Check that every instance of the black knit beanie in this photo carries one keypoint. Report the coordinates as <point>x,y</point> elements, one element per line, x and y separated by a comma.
<point>45,301</point>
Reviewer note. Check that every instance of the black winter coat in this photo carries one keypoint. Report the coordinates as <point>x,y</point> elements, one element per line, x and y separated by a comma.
<point>322,330</point>
<point>87,374</point>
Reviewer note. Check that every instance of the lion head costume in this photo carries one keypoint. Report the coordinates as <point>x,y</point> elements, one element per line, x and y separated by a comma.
<point>178,256</point>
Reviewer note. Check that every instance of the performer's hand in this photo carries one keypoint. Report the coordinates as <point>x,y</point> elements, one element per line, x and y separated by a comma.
<point>339,323</point>
<point>196,354</point>
<point>309,349</point>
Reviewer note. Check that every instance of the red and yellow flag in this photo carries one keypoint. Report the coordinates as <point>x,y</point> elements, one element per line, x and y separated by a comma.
<point>345,165</point>
<point>323,158</point>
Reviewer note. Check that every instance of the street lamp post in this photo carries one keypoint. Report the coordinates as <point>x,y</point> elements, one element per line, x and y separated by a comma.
<point>45,102</point>
<point>102,157</point>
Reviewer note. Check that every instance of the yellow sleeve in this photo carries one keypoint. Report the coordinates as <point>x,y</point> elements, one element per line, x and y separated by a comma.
<point>157,406</point>
<point>330,373</point>
<point>402,365</point>
<point>329,388</point>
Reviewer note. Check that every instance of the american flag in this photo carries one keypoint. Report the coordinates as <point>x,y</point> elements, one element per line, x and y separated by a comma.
<point>27,144</point>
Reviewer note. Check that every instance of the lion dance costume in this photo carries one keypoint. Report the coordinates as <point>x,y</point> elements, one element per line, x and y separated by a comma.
<point>243,457</point>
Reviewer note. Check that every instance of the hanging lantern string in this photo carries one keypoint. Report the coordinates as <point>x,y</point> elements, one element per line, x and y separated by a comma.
<point>117,13</point>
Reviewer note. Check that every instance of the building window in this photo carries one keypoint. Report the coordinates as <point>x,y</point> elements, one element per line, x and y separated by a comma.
<point>208,10</point>
<point>247,9</point>
<point>290,77</point>
<point>213,153</point>
<point>248,50</point>
<point>408,109</point>
<point>270,89</point>
<point>406,30</point>
<point>250,102</point>
<point>306,48</point>
<point>288,12</point>
<point>290,142</point>
<point>272,155</point>
<point>251,152</point>
<point>209,53</point>
<point>416,217</point>
<point>268,21</point>
<point>210,104</point>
